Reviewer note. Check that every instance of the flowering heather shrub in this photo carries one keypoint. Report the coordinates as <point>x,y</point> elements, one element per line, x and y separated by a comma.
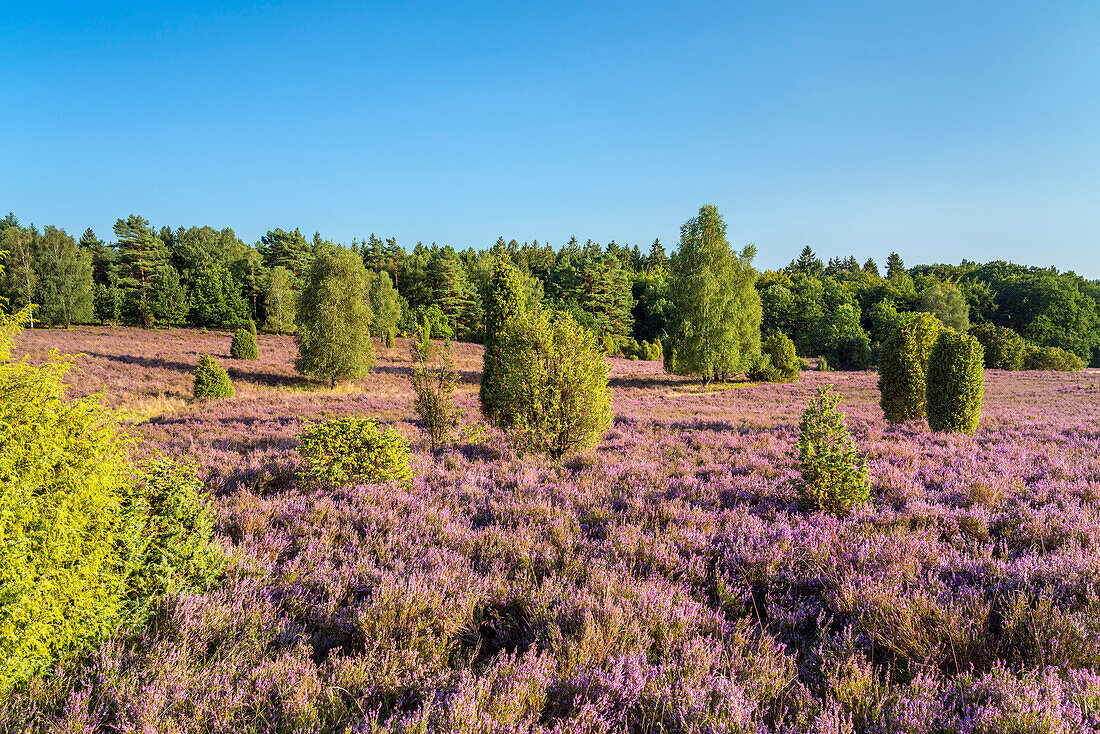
<point>350,450</point>
<point>211,380</point>
<point>1003,348</point>
<point>902,367</point>
<point>834,477</point>
<point>666,579</point>
<point>956,378</point>
<point>244,344</point>
<point>1051,358</point>
<point>552,384</point>
<point>777,361</point>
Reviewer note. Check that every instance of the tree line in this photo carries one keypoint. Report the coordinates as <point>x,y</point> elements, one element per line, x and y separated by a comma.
<point>704,303</point>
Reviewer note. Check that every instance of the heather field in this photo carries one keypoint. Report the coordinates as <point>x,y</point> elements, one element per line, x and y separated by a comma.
<point>665,582</point>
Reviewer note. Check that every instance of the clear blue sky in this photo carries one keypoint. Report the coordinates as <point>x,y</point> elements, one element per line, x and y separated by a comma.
<point>942,130</point>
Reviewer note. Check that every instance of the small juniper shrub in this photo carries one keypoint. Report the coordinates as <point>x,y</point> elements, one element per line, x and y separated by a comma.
<point>211,380</point>
<point>956,375</point>
<point>777,361</point>
<point>434,386</point>
<point>834,476</point>
<point>251,326</point>
<point>389,339</point>
<point>852,354</point>
<point>244,344</point>
<point>352,451</point>
<point>902,367</point>
<point>553,391</point>
<point>1052,358</point>
<point>1003,348</point>
<point>823,364</point>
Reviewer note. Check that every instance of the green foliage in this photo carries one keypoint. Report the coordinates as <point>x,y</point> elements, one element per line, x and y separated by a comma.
<point>334,319</point>
<point>168,303</point>
<point>956,375</point>
<point>903,364</point>
<point>434,386</point>
<point>352,451</point>
<point>1003,348</point>
<point>108,302</point>
<point>389,338</point>
<point>90,543</point>
<point>251,325</point>
<point>505,305</point>
<point>141,253</point>
<point>385,304</point>
<point>1051,358</point>
<point>63,285</point>
<point>716,313</point>
<point>838,323</point>
<point>948,305</point>
<point>279,301</point>
<point>216,297</point>
<point>169,549</point>
<point>823,365</point>
<point>244,344</point>
<point>778,361</point>
<point>211,380</point>
<point>552,384</point>
<point>852,353</point>
<point>834,477</point>
<point>644,350</point>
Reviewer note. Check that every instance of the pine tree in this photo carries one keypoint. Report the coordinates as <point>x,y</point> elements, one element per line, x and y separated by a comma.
<point>334,318</point>
<point>290,250</point>
<point>103,259</point>
<point>140,254</point>
<point>715,329</point>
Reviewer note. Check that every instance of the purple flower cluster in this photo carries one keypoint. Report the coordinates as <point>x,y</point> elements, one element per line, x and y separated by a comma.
<point>665,582</point>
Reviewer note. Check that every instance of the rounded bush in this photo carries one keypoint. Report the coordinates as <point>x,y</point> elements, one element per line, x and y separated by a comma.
<point>90,543</point>
<point>1003,348</point>
<point>353,450</point>
<point>1051,358</point>
<point>552,385</point>
<point>851,353</point>
<point>777,362</point>
<point>244,344</point>
<point>956,375</point>
<point>211,380</point>
<point>902,366</point>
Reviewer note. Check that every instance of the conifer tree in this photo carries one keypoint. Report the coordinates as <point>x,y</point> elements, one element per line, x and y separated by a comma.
<point>140,254</point>
<point>504,305</point>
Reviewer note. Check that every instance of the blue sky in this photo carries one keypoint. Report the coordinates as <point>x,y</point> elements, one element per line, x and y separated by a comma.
<point>941,130</point>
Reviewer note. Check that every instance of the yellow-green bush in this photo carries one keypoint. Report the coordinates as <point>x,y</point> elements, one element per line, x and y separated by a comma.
<point>956,375</point>
<point>552,384</point>
<point>244,344</point>
<point>902,367</point>
<point>211,380</point>
<point>353,450</point>
<point>834,476</point>
<point>88,542</point>
<point>1052,358</point>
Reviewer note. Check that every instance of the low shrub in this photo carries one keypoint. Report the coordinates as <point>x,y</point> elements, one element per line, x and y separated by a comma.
<point>956,375</point>
<point>851,353</point>
<point>1003,348</point>
<point>434,386</point>
<point>389,339</point>
<point>90,543</point>
<point>552,384</point>
<point>211,380</point>
<point>777,361</point>
<point>352,450</point>
<point>902,366</point>
<point>643,350</point>
<point>823,364</point>
<point>1052,358</point>
<point>244,344</point>
<point>834,477</point>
